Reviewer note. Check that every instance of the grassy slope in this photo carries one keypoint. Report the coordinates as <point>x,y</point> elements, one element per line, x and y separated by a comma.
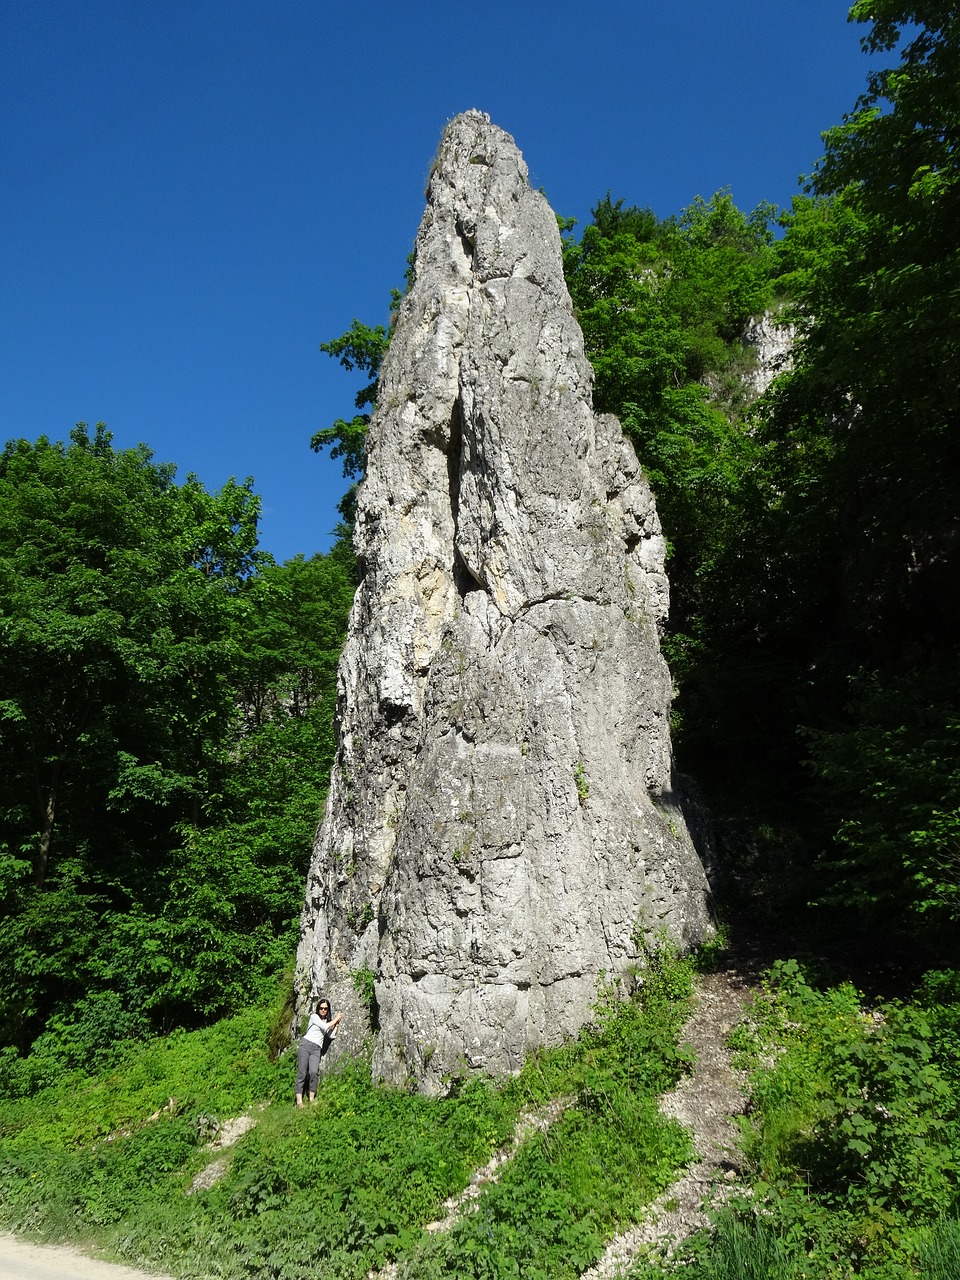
<point>853,1138</point>
<point>347,1185</point>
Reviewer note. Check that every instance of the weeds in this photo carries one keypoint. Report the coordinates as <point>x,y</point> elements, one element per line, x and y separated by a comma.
<point>940,1253</point>
<point>593,1171</point>
<point>581,782</point>
<point>853,1138</point>
<point>341,1188</point>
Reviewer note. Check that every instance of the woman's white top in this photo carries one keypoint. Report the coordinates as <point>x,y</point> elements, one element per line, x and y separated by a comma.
<point>317,1030</point>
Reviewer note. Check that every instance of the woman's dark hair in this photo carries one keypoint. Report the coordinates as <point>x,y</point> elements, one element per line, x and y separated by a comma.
<point>324,1001</point>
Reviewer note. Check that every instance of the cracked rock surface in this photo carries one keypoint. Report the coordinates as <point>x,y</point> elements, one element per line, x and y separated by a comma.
<point>502,824</point>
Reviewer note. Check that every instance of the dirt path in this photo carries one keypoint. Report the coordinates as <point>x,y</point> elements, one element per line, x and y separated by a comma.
<point>705,1102</point>
<point>20,1260</point>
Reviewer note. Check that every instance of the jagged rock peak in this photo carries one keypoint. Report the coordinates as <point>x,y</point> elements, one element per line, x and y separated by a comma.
<point>501,827</point>
<point>478,173</point>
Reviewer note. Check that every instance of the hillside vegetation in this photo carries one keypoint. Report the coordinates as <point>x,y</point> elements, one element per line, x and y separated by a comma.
<point>348,1184</point>
<point>166,701</point>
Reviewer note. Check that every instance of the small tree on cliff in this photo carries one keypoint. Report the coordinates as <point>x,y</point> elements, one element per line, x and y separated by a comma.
<point>363,348</point>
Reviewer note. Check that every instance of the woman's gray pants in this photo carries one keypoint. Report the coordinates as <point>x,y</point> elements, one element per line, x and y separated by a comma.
<point>308,1065</point>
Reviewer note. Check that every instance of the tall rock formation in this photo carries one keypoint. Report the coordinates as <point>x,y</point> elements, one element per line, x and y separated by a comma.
<point>501,829</point>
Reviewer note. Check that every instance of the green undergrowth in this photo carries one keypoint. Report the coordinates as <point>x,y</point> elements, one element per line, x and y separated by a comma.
<point>852,1140</point>
<point>590,1173</point>
<point>347,1185</point>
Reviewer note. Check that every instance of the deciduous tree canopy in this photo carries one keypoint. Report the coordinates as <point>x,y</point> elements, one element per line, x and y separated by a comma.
<point>166,702</point>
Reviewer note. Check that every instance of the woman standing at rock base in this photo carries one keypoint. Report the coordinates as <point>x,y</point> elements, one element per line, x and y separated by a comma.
<point>321,1029</point>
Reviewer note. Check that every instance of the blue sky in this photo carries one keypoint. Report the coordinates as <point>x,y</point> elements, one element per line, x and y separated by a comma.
<point>199,192</point>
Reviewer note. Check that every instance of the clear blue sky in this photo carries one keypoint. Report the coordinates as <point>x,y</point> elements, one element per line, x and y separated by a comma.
<point>196,193</point>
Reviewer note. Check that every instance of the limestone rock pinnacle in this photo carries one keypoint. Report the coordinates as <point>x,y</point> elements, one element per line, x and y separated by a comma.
<point>501,828</point>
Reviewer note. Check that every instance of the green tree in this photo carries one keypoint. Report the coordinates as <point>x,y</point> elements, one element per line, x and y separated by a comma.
<point>846,603</point>
<point>663,306</point>
<point>881,344</point>
<point>363,348</point>
<point>235,884</point>
<point>118,591</point>
<point>166,724</point>
<point>295,621</point>
<point>877,257</point>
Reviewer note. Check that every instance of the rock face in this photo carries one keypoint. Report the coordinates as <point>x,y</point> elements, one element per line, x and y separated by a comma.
<point>772,343</point>
<point>501,828</point>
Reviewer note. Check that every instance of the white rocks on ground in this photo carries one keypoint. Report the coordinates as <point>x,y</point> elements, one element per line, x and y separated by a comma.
<point>707,1103</point>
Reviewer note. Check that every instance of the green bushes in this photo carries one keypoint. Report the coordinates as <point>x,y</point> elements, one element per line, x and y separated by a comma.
<point>853,1137</point>
<point>890,786</point>
<point>334,1190</point>
<point>592,1171</point>
<point>858,1100</point>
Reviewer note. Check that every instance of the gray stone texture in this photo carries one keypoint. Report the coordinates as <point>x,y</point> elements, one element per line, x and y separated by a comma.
<point>501,830</point>
<point>772,343</point>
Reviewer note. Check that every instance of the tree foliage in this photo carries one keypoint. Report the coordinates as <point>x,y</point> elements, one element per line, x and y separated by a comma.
<point>167,697</point>
<point>814,536</point>
<point>363,348</point>
<point>117,588</point>
<point>835,646</point>
<point>870,412</point>
<point>881,335</point>
<point>663,306</point>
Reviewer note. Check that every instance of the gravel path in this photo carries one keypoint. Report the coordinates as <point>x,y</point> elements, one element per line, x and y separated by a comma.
<point>706,1103</point>
<point>20,1260</point>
